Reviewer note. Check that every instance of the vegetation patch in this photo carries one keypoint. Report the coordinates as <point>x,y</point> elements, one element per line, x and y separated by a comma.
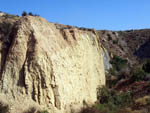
<point>110,101</point>
<point>35,110</point>
<point>118,63</point>
<point>138,74</point>
<point>24,13</point>
<point>4,108</point>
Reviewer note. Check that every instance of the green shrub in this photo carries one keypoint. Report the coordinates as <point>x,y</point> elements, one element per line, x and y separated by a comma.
<point>24,13</point>
<point>118,63</point>
<point>122,99</point>
<point>4,108</point>
<point>112,101</point>
<point>138,74</point>
<point>114,76</point>
<point>111,71</point>
<point>103,95</point>
<point>106,108</point>
<point>111,83</point>
<point>30,13</point>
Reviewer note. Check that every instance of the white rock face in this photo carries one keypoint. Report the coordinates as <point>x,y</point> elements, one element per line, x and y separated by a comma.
<point>1,14</point>
<point>56,69</point>
<point>106,60</point>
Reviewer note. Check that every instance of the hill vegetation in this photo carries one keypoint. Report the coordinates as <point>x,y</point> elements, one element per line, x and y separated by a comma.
<point>127,89</point>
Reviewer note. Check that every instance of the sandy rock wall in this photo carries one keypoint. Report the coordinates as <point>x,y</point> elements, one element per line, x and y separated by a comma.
<point>58,69</point>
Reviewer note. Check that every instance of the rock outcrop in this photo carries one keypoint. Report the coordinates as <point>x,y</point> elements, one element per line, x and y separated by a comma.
<point>106,60</point>
<point>55,68</point>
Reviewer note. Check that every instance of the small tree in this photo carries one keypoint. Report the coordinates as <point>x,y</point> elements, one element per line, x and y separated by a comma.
<point>30,13</point>
<point>24,13</point>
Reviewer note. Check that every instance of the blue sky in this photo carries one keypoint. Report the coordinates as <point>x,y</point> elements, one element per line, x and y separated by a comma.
<point>99,14</point>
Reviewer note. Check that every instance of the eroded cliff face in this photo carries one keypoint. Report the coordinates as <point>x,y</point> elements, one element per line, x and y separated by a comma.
<point>46,66</point>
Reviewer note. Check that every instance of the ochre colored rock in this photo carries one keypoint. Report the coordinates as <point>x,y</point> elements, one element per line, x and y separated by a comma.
<point>51,68</point>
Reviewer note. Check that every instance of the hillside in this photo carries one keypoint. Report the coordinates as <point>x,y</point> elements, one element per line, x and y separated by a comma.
<point>132,44</point>
<point>130,59</point>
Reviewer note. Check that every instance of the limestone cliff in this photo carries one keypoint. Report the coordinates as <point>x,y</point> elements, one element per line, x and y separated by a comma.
<point>55,68</point>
